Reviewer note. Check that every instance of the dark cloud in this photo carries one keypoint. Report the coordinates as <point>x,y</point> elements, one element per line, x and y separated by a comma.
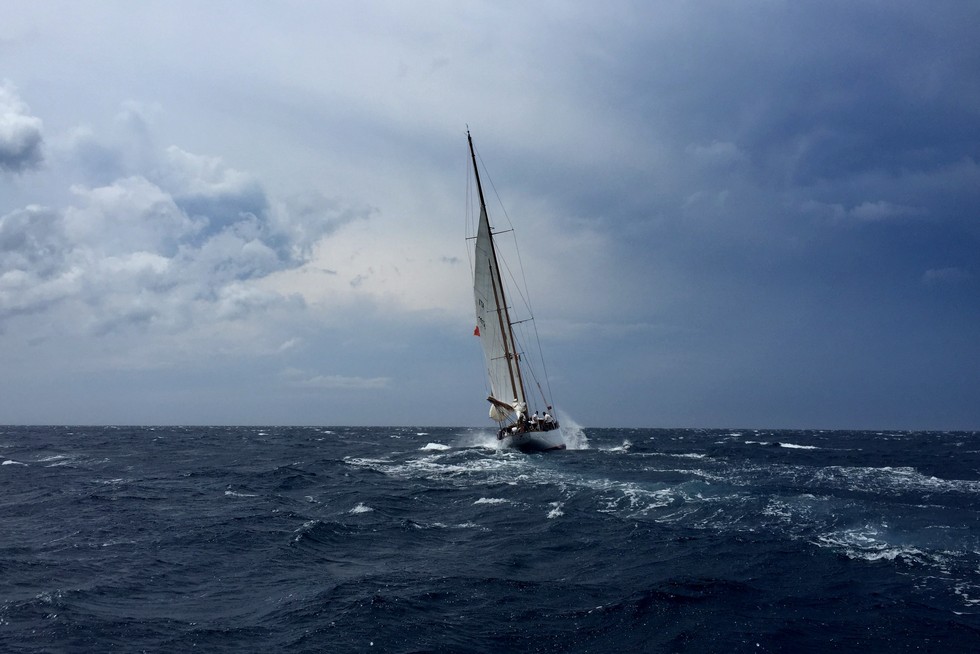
<point>20,133</point>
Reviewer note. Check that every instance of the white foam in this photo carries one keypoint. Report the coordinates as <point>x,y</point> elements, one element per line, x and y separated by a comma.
<point>54,457</point>
<point>11,462</point>
<point>231,493</point>
<point>481,439</point>
<point>361,508</point>
<point>964,590</point>
<point>491,500</point>
<point>306,527</point>
<point>556,511</point>
<point>868,543</point>
<point>893,479</point>
<point>573,434</point>
<point>428,447</point>
<point>443,525</point>
<point>794,446</point>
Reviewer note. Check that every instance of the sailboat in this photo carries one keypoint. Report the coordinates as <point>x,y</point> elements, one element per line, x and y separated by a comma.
<point>506,369</point>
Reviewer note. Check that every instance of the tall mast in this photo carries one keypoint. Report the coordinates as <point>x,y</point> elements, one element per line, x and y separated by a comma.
<point>506,329</point>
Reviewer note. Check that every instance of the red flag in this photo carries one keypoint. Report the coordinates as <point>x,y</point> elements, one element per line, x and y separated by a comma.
<point>476,331</point>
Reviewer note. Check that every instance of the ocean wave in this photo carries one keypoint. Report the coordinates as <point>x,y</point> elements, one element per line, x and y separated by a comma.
<point>872,544</point>
<point>360,508</point>
<point>893,480</point>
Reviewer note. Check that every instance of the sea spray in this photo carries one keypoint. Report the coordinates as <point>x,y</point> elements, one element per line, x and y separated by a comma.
<point>573,433</point>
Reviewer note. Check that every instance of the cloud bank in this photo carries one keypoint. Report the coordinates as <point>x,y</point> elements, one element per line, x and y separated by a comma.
<point>174,241</point>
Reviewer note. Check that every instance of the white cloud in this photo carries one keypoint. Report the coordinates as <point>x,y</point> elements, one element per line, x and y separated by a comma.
<point>131,214</point>
<point>178,242</point>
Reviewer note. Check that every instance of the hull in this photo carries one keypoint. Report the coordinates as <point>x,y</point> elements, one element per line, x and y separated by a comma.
<point>534,441</point>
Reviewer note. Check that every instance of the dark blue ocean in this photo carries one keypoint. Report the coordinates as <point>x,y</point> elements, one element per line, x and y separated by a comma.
<point>172,539</point>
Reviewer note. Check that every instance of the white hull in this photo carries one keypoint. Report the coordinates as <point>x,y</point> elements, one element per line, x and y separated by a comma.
<point>534,441</point>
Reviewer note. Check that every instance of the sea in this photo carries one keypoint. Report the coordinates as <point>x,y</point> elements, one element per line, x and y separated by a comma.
<point>419,539</point>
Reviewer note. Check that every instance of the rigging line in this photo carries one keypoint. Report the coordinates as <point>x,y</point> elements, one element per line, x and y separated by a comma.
<point>544,368</point>
<point>527,299</point>
<point>525,296</point>
<point>522,288</point>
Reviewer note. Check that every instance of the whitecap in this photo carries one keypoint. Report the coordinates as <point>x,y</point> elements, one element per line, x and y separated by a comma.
<point>794,446</point>
<point>428,447</point>
<point>53,457</point>
<point>869,544</point>
<point>231,493</point>
<point>361,508</point>
<point>491,500</point>
<point>556,511</point>
<point>11,462</point>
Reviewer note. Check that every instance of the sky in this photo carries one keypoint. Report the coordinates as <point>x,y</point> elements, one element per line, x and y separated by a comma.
<point>760,214</point>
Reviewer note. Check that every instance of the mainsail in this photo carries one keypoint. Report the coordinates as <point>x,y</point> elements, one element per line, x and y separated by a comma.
<point>493,320</point>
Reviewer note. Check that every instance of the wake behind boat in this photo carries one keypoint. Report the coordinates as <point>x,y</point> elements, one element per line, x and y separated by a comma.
<point>518,425</point>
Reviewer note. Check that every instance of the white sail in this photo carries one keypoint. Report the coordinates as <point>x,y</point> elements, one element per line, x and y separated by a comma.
<point>508,404</point>
<point>494,330</point>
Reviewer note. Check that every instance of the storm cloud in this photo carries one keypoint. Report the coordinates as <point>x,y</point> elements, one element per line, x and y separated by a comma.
<point>759,214</point>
